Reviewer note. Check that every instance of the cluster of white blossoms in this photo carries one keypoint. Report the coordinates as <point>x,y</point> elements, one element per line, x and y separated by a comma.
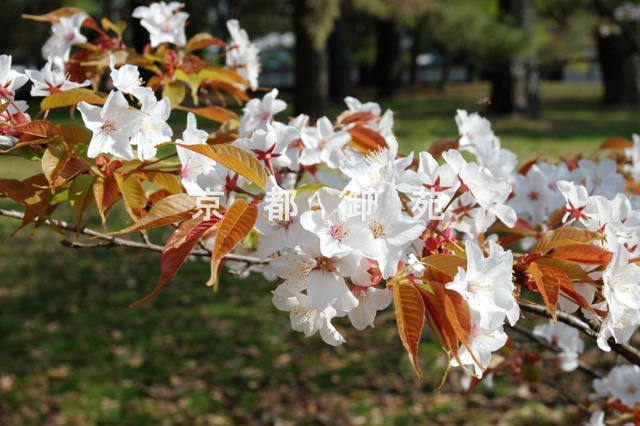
<point>10,81</point>
<point>366,214</point>
<point>117,127</point>
<point>165,22</point>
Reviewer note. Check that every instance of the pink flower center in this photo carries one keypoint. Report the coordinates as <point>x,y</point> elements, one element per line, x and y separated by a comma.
<point>325,264</point>
<point>166,27</point>
<point>109,126</point>
<point>338,231</point>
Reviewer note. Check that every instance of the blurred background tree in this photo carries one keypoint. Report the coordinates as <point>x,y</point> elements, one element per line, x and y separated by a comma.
<point>347,46</point>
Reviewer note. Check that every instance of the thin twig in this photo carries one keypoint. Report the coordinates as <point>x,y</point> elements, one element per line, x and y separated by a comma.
<point>116,241</point>
<point>625,350</point>
<point>566,394</point>
<point>542,342</point>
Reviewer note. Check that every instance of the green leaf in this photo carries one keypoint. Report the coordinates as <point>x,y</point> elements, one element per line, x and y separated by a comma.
<point>175,92</point>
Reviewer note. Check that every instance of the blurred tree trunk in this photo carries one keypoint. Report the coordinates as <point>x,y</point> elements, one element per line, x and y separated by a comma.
<point>387,68</point>
<point>616,57</point>
<point>312,79</point>
<point>515,82</point>
<point>417,34</point>
<point>340,62</point>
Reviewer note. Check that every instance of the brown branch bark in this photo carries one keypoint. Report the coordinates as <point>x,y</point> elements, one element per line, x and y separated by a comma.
<point>112,241</point>
<point>624,350</point>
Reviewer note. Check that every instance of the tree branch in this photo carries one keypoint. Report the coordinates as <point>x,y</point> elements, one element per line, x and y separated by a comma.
<point>625,350</point>
<point>112,241</point>
<point>542,342</point>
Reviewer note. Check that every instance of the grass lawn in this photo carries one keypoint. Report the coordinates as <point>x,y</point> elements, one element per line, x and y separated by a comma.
<point>73,352</point>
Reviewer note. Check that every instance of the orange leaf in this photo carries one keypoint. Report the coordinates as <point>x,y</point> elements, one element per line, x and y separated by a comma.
<point>236,224</point>
<point>438,147</point>
<point>105,189</point>
<point>617,143</point>
<point>410,319</point>
<point>54,16</point>
<point>367,138</point>
<point>166,181</point>
<point>41,128</point>
<point>72,97</point>
<point>214,113</point>
<point>174,255</point>
<point>135,198</point>
<point>81,196</point>
<point>25,194</point>
<point>584,254</point>
<point>563,237</point>
<point>360,117</point>
<point>75,133</point>
<point>171,209</point>
<point>54,159</point>
<point>202,40</point>
<point>223,75</point>
<point>547,284</point>
<point>235,159</point>
<point>445,263</point>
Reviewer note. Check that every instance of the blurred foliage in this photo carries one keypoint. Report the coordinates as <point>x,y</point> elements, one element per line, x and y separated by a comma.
<point>473,28</point>
<point>21,38</point>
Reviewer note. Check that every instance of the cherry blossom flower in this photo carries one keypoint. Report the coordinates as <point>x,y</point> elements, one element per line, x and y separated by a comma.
<point>370,299</point>
<point>127,80</point>
<point>322,277</point>
<point>486,284</point>
<point>577,197</point>
<point>66,33</point>
<point>356,106</point>
<point>269,145</point>
<point>391,229</point>
<point>339,235</point>
<point>621,280</point>
<point>277,233</point>
<point>633,154</point>
<point>10,79</point>
<point>113,126</point>
<point>258,113</point>
<point>47,81</point>
<point>193,164</point>
<point>532,196</point>
<point>622,382</point>
<point>154,128</point>
<point>308,320</point>
<point>491,192</point>
<point>487,336</point>
<point>602,178</point>
<point>566,338</point>
<point>324,145</point>
<point>474,130</point>
<point>164,22</point>
<point>242,55</point>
